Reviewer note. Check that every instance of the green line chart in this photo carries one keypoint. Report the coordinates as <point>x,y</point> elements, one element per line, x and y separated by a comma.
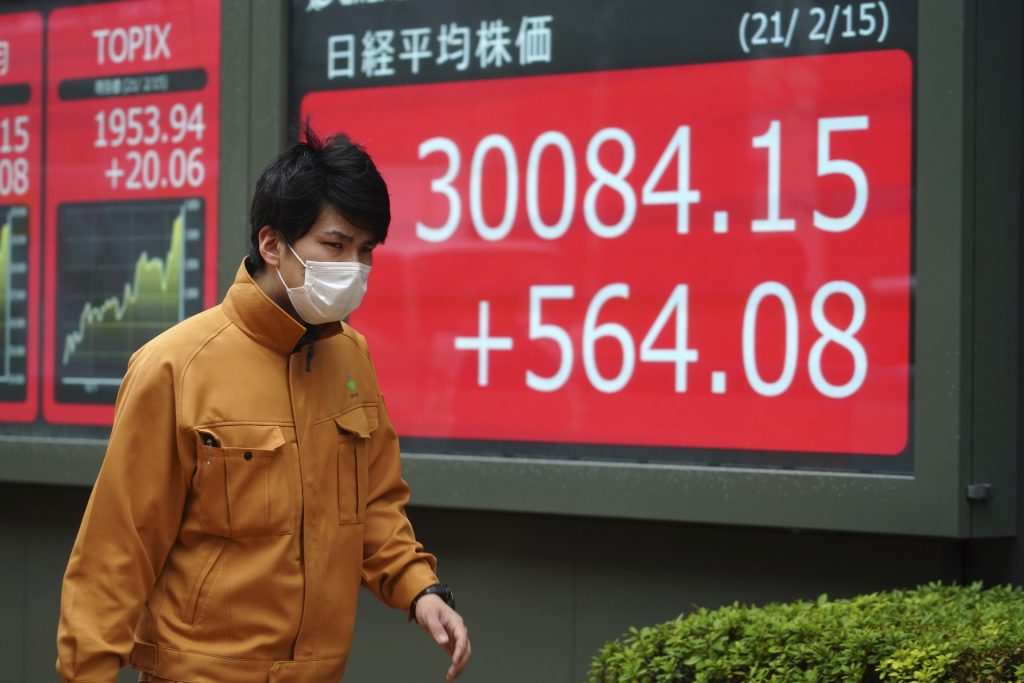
<point>126,272</point>
<point>14,302</point>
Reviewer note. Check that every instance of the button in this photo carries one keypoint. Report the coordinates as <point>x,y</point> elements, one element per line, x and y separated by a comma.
<point>248,455</point>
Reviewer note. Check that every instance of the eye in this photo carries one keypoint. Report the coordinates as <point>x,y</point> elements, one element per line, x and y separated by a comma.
<point>368,249</point>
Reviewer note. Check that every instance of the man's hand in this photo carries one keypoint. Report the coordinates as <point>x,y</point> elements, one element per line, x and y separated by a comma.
<point>445,626</point>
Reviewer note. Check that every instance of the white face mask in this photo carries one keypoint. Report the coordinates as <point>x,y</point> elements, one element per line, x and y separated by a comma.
<point>331,290</point>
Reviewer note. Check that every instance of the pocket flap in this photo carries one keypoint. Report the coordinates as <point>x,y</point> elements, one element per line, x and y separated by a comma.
<point>242,436</point>
<point>360,420</point>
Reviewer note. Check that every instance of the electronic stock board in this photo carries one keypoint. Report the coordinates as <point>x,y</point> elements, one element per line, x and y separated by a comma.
<point>115,240</point>
<point>666,259</point>
<point>679,232</point>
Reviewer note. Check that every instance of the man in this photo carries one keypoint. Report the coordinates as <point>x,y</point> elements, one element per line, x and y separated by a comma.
<point>252,481</point>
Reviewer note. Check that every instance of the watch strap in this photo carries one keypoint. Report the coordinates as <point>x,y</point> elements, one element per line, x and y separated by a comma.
<point>441,590</point>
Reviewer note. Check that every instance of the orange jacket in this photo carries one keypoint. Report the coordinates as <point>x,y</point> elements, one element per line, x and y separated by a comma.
<point>248,489</point>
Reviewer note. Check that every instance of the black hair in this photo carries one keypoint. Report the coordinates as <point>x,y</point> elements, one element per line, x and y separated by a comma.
<point>312,174</point>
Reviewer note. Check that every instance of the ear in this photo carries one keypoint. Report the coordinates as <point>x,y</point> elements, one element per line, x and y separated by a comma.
<point>270,241</point>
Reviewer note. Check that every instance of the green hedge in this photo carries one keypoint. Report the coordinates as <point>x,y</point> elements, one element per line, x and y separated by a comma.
<point>931,633</point>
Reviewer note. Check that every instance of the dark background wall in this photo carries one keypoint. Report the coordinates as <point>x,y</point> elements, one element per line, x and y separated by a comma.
<point>540,594</point>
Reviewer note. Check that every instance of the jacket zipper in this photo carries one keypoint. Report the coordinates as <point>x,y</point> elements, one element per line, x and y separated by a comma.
<point>309,357</point>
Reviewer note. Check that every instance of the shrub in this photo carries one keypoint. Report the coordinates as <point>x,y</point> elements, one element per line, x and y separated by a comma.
<point>931,633</point>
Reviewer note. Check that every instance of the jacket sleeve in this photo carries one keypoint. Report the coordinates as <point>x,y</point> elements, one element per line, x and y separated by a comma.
<point>395,566</point>
<point>130,524</point>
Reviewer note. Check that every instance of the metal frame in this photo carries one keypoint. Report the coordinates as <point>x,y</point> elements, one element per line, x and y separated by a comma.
<point>966,366</point>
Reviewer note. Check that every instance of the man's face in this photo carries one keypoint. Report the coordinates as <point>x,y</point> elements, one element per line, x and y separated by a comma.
<point>332,238</point>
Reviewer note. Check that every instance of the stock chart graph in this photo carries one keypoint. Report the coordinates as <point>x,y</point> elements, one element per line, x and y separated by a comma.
<point>127,271</point>
<point>13,301</point>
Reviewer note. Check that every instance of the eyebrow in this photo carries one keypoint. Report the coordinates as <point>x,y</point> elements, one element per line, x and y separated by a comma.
<point>336,232</point>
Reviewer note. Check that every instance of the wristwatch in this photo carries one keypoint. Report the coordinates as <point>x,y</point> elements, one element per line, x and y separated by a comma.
<point>441,590</point>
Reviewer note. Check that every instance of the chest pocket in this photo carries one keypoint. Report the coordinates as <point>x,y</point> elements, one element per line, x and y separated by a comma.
<point>355,427</point>
<point>243,490</point>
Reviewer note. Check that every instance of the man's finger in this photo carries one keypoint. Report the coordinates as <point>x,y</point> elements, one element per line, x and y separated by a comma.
<point>465,655</point>
<point>437,631</point>
<point>461,637</point>
<point>460,656</point>
<point>456,669</point>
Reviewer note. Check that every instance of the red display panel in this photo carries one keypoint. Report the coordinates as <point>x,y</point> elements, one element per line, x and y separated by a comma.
<point>21,98</point>
<point>712,256</point>
<point>132,149</point>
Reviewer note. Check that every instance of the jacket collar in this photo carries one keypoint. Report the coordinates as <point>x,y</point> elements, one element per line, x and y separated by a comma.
<point>249,307</point>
